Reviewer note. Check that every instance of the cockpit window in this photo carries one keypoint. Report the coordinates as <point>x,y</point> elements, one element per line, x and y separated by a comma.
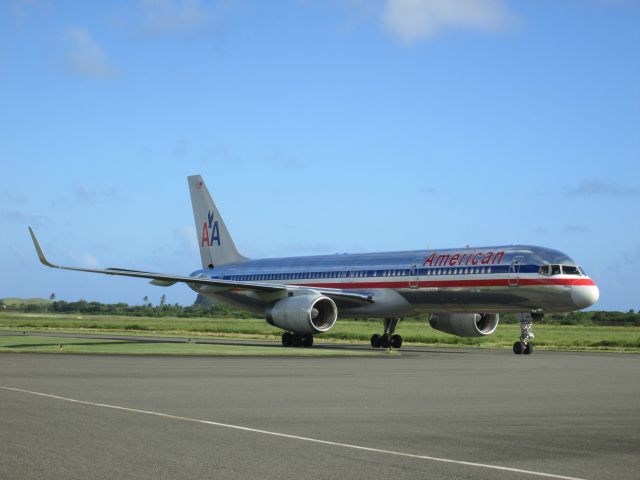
<point>570,270</point>
<point>548,270</point>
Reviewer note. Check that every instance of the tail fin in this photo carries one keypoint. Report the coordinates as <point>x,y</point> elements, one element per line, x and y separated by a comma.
<point>216,245</point>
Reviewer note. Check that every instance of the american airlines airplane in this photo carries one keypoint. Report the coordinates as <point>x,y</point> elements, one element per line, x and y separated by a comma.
<point>463,289</point>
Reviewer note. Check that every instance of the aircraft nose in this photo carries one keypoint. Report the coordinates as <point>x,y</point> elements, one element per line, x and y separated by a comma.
<point>584,296</point>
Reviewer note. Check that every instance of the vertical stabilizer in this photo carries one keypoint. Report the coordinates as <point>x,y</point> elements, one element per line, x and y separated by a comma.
<point>214,241</point>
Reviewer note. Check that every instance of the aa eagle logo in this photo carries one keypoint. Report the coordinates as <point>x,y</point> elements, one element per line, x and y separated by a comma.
<point>210,231</point>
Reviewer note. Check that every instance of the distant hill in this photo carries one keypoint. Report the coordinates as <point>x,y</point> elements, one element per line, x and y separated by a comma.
<point>26,301</point>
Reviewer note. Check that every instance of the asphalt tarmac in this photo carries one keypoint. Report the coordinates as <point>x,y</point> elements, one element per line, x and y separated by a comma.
<point>428,413</point>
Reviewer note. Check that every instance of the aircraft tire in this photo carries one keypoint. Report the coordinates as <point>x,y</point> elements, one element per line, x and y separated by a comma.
<point>307,340</point>
<point>385,341</point>
<point>286,339</point>
<point>528,349</point>
<point>396,341</point>
<point>518,348</point>
<point>296,340</point>
<point>375,340</point>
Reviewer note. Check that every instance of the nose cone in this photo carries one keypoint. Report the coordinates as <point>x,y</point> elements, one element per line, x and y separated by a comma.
<point>584,296</point>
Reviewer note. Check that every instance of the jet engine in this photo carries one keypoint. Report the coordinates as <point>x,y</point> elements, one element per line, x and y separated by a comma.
<point>465,324</point>
<point>303,314</point>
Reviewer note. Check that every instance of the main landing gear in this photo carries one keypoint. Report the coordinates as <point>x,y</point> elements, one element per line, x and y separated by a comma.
<point>387,339</point>
<point>297,340</point>
<point>525,344</point>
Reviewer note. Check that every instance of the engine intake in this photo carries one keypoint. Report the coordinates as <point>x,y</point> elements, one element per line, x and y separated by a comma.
<point>303,314</point>
<point>465,324</point>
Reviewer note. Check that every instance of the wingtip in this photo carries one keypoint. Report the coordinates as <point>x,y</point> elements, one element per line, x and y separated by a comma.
<point>39,251</point>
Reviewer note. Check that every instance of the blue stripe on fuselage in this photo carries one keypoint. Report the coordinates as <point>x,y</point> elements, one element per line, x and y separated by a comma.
<point>380,265</point>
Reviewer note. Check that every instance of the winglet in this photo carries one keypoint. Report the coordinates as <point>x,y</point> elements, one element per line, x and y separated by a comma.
<point>41,256</point>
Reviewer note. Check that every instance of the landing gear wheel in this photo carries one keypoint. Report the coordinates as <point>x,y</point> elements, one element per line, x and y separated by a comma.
<point>525,345</point>
<point>385,341</point>
<point>518,348</point>
<point>307,340</point>
<point>375,340</point>
<point>396,341</point>
<point>286,339</point>
<point>296,340</point>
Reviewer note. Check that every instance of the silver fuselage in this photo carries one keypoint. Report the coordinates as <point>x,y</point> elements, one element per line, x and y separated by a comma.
<point>497,279</point>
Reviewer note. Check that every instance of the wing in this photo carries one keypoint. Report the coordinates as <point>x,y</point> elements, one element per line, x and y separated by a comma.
<point>165,280</point>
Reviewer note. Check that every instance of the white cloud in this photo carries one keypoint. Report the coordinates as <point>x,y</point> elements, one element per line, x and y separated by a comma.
<point>598,187</point>
<point>18,217</point>
<point>575,229</point>
<point>12,197</point>
<point>413,20</point>
<point>85,57</point>
<point>188,239</point>
<point>22,9</point>
<point>82,195</point>
<point>87,260</point>
<point>178,17</point>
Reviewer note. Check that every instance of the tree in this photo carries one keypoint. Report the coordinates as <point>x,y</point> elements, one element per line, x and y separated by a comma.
<point>52,297</point>
<point>145,299</point>
<point>204,301</point>
<point>163,300</point>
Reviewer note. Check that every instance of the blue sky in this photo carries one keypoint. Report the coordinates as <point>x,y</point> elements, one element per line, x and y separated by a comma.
<point>320,127</point>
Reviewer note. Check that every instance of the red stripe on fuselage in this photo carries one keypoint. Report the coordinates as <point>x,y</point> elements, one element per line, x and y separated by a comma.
<point>497,282</point>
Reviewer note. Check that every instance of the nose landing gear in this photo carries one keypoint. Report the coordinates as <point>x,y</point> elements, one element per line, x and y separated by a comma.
<point>525,344</point>
<point>387,339</point>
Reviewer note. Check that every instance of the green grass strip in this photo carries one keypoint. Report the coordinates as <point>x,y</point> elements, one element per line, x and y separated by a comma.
<point>548,336</point>
<point>44,344</point>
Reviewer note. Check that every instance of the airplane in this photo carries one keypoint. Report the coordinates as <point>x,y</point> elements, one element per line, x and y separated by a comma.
<point>464,290</point>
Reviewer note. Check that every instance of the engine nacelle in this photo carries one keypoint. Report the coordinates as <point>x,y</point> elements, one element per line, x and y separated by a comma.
<point>303,314</point>
<point>465,324</point>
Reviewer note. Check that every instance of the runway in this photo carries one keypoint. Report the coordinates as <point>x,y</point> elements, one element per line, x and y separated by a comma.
<point>438,414</point>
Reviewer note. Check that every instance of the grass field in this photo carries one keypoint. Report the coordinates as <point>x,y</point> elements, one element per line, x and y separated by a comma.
<point>564,337</point>
<point>44,344</point>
